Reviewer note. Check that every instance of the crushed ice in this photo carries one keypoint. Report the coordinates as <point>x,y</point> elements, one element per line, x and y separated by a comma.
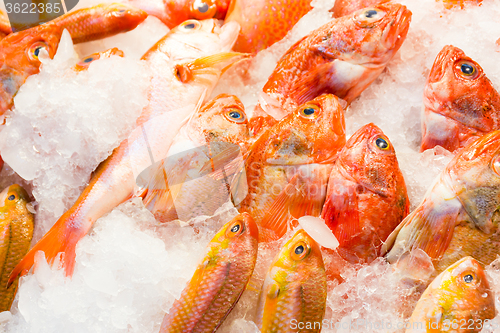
<point>129,270</point>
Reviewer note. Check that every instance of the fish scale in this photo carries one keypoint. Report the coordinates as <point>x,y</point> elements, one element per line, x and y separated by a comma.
<point>218,281</point>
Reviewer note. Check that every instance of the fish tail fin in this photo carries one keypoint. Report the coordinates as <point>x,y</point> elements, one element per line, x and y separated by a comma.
<point>59,239</point>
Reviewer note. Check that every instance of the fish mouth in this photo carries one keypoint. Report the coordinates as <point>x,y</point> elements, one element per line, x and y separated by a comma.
<point>396,30</point>
<point>229,34</point>
<point>446,57</point>
<point>3,196</point>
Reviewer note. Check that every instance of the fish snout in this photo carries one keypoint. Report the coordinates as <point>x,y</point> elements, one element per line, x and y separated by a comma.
<point>396,30</point>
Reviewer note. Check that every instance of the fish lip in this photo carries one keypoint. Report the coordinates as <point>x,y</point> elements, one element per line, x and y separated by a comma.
<point>395,36</point>
<point>228,34</point>
<point>3,196</point>
<point>447,56</point>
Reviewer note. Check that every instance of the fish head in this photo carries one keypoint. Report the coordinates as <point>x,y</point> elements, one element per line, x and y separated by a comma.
<point>313,133</point>
<point>458,90</point>
<point>298,258</point>
<point>13,196</point>
<point>178,11</point>
<point>369,37</point>
<point>236,237</point>
<point>463,289</point>
<point>370,159</point>
<point>84,63</point>
<point>20,51</point>
<point>193,39</point>
<point>222,119</point>
<point>474,176</point>
<point>127,17</point>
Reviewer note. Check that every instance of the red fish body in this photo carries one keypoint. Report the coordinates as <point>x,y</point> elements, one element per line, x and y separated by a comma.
<point>19,58</point>
<point>174,12</point>
<point>366,198</point>
<point>288,166</point>
<point>460,102</point>
<point>172,99</point>
<point>264,22</point>
<point>219,280</point>
<point>458,300</point>
<point>342,58</point>
<point>458,216</point>
<point>98,22</point>
<point>178,186</point>
<point>294,290</point>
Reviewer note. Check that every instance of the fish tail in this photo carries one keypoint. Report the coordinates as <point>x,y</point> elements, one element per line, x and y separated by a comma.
<point>59,239</point>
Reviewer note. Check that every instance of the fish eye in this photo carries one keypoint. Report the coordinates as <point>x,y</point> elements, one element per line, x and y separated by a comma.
<point>367,17</point>
<point>203,9</point>
<point>190,25</point>
<point>88,59</point>
<point>467,69</point>
<point>300,250</point>
<point>234,229</point>
<point>11,197</point>
<point>470,278</point>
<point>309,111</point>
<point>236,116</point>
<point>34,50</point>
<point>382,143</point>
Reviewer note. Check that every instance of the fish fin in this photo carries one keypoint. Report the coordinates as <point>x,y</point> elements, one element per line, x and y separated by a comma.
<point>341,212</point>
<point>429,227</point>
<point>60,238</point>
<point>225,160</point>
<point>313,83</point>
<point>165,185</point>
<point>291,203</point>
<point>267,235</point>
<point>188,72</point>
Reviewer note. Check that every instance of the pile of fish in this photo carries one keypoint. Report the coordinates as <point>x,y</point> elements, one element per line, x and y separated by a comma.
<point>268,169</point>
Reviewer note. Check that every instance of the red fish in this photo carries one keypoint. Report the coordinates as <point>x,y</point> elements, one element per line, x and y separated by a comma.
<point>366,198</point>
<point>294,290</point>
<point>178,186</point>
<point>342,58</point>
<point>172,99</point>
<point>458,216</point>
<point>219,280</point>
<point>19,58</point>
<point>346,7</point>
<point>288,166</point>
<point>98,22</point>
<point>460,102</point>
<point>174,12</point>
<point>264,22</point>
<point>85,62</point>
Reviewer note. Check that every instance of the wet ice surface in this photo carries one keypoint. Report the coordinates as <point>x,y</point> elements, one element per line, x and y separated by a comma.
<point>129,270</point>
